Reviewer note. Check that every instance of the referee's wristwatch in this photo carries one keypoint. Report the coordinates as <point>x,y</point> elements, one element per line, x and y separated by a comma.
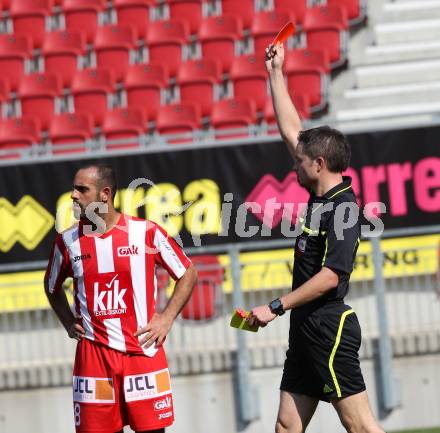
<point>276,307</point>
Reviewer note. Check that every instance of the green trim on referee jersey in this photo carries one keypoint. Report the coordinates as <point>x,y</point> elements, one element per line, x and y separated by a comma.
<point>309,230</point>
<point>325,251</point>
<point>332,196</point>
<point>341,190</point>
<point>335,348</point>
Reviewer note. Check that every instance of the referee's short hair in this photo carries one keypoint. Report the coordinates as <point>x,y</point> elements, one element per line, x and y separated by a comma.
<point>106,176</point>
<point>330,144</point>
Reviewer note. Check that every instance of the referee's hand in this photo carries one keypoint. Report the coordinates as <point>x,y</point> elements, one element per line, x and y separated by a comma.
<point>274,57</point>
<point>260,316</point>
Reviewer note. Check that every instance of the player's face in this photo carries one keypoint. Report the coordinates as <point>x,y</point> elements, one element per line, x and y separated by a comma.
<point>84,191</point>
<point>305,168</point>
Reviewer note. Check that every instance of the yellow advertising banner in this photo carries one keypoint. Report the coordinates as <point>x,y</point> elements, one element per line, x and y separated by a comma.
<point>403,257</point>
<point>26,223</point>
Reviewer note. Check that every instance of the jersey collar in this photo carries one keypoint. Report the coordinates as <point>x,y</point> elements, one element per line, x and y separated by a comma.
<point>345,185</point>
<point>121,222</point>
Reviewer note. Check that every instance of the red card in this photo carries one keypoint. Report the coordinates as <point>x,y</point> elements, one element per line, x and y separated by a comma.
<point>285,32</point>
<point>243,314</point>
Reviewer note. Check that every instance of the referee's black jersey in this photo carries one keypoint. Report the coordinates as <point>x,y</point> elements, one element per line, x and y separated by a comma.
<point>330,237</point>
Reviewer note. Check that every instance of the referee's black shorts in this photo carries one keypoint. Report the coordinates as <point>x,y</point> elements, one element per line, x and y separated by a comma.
<point>322,360</point>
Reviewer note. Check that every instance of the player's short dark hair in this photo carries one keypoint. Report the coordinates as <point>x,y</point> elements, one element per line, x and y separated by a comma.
<point>106,177</point>
<point>330,144</point>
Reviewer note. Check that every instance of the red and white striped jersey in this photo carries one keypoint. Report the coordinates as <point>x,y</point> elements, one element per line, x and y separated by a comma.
<point>114,277</point>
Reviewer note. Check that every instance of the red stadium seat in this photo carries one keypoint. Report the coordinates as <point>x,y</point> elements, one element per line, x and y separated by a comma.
<point>61,51</point>
<point>188,10</point>
<point>266,26</point>
<point>112,46</point>
<point>135,13</point>
<point>124,123</point>
<point>90,89</point>
<point>18,133</point>
<point>144,83</point>
<point>218,36</point>
<point>326,28</point>
<point>162,278</point>
<point>205,301</point>
<point>4,90</point>
<point>307,73</point>
<point>249,77</point>
<point>231,114</point>
<point>162,283</point>
<point>29,18</point>
<point>178,119</point>
<point>14,50</point>
<point>70,129</point>
<point>37,94</point>
<point>356,9</point>
<point>197,80</point>
<point>166,41</point>
<point>297,7</point>
<point>82,15</point>
<point>244,9</point>
<point>301,103</point>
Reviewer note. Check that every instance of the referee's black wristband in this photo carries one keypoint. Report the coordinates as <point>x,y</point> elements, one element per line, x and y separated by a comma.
<point>276,306</point>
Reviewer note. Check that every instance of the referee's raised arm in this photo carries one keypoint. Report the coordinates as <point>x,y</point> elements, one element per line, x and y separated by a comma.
<point>289,122</point>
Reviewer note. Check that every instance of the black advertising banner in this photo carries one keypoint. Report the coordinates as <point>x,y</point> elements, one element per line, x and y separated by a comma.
<point>221,194</point>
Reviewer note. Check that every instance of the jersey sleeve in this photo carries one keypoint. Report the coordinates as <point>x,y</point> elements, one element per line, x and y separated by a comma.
<point>58,268</point>
<point>169,254</point>
<point>339,253</point>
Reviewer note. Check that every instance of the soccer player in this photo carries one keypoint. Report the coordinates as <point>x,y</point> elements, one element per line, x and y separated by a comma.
<point>120,375</point>
<point>322,361</point>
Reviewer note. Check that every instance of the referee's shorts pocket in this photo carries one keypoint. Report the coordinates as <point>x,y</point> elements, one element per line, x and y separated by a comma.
<point>341,328</point>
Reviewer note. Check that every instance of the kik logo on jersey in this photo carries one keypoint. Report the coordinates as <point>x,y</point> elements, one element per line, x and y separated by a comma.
<point>108,298</point>
<point>146,386</point>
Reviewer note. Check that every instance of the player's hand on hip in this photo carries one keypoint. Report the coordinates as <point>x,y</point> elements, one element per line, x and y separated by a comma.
<point>274,57</point>
<point>155,332</point>
<point>76,331</point>
<point>260,316</point>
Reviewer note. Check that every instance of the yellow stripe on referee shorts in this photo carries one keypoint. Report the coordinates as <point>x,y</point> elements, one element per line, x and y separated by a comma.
<point>335,348</point>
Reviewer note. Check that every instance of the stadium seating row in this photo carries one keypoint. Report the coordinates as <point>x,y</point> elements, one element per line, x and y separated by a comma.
<point>124,127</point>
<point>200,87</point>
<point>85,14</point>
<point>198,81</point>
<point>167,42</point>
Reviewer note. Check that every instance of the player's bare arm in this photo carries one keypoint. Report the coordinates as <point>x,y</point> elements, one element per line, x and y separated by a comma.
<point>160,324</point>
<point>60,305</point>
<point>312,289</point>
<point>289,122</point>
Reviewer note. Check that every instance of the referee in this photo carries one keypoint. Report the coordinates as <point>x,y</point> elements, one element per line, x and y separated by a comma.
<point>322,362</point>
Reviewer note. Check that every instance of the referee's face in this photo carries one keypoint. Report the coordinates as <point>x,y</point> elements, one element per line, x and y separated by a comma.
<point>84,191</point>
<point>305,168</point>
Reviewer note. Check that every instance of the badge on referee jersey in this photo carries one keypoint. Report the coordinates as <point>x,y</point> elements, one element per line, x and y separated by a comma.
<point>301,243</point>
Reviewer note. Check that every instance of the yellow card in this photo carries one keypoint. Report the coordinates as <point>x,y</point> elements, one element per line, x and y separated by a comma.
<point>238,320</point>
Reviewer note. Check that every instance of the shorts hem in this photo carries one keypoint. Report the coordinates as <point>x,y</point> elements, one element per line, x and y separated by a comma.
<point>346,394</point>
<point>325,398</point>
<point>99,431</point>
<point>300,391</point>
<point>151,426</point>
